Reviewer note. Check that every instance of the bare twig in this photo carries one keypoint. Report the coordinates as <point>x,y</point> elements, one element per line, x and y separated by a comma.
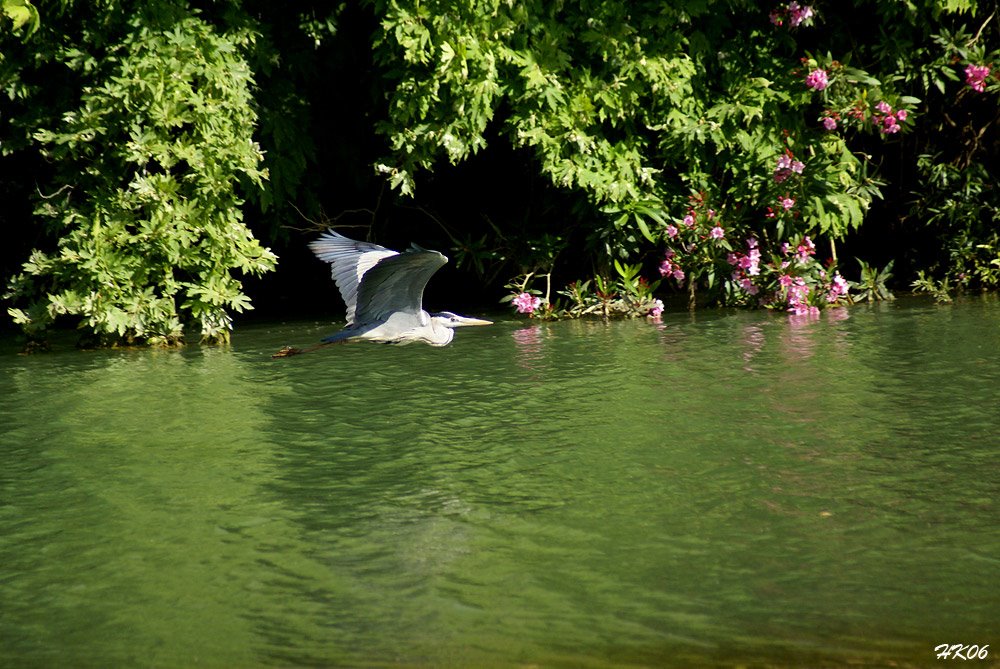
<point>981,28</point>
<point>49,197</point>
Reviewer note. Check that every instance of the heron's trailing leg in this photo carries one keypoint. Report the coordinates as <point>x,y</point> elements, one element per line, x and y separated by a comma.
<point>289,351</point>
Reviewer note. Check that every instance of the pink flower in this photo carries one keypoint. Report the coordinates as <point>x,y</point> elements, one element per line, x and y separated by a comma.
<point>805,249</point>
<point>798,14</point>
<point>901,115</point>
<point>785,280</point>
<point>666,267</point>
<point>527,303</point>
<point>838,288</point>
<point>829,123</point>
<point>975,76</point>
<point>817,79</point>
<point>679,274</point>
<point>689,220</point>
<point>787,203</point>
<point>785,248</point>
<point>889,125</point>
<point>671,231</point>
<point>657,309</point>
<point>786,167</point>
<point>753,269</point>
<point>717,233</point>
<point>884,107</point>
<point>747,285</point>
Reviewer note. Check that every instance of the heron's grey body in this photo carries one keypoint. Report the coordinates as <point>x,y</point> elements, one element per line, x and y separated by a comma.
<point>383,291</point>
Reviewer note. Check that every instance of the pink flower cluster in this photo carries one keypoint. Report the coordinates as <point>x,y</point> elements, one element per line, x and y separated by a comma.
<point>527,303</point>
<point>817,79</point>
<point>805,250</point>
<point>787,166</point>
<point>795,13</point>
<point>838,288</point>
<point>798,296</point>
<point>882,116</point>
<point>671,268</point>
<point>746,265</point>
<point>887,121</point>
<point>975,76</point>
<point>657,310</point>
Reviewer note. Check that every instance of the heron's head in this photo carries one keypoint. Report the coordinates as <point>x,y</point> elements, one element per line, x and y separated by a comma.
<point>450,320</point>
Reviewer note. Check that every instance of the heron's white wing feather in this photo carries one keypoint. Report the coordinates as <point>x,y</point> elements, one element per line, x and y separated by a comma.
<point>396,285</point>
<point>349,261</point>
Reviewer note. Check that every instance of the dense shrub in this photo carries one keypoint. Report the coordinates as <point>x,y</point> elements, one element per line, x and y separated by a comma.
<point>729,149</point>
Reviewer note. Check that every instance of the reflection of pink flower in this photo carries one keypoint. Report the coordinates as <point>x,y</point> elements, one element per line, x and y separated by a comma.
<point>817,79</point>
<point>526,303</point>
<point>717,233</point>
<point>975,76</point>
<point>804,310</point>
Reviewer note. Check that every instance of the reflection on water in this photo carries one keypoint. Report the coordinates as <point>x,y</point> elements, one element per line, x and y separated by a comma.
<point>717,488</point>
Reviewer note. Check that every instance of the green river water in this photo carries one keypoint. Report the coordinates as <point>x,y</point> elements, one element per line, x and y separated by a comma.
<point>724,488</point>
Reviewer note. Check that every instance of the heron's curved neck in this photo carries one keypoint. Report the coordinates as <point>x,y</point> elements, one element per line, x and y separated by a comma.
<point>440,334</point>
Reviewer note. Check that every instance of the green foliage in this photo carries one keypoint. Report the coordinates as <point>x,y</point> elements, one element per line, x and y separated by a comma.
<point>872,285</point>
<point>639,108</point>
<point>940,290</point>
<point>962,207</point>
<point>19,15</point>
<point>698,132</point>
<point>148,169</point>
<point>628,295</point>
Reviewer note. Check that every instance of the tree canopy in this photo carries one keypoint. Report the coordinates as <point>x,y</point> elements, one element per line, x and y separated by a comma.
<point>741,152</point>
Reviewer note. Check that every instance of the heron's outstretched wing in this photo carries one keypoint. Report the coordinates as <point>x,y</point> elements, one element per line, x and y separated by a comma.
<point>396,284</point>
<point>349,260</point>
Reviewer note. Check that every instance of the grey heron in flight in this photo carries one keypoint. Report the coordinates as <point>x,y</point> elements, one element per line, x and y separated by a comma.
<point>383,291</point>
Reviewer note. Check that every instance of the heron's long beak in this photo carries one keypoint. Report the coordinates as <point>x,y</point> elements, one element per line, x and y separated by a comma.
<point>465,320</point>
